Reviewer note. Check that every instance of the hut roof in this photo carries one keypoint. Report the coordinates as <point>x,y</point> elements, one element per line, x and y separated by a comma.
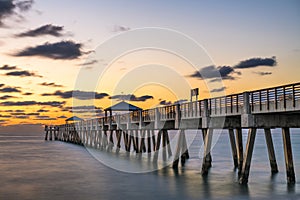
<point>74,118</point>
<point>123,106</point>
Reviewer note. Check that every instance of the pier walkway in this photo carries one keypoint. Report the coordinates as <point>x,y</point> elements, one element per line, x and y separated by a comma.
<point>147,130</point>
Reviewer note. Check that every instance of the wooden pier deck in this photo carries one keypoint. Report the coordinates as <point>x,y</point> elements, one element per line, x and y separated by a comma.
<point>147,130</point>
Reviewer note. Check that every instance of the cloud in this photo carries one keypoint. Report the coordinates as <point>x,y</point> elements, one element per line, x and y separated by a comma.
<point>9,89</point>
<point>255,62</point>
<point>7,67</point>
<point>77,94</point>
<point>23,73</point>
<point>5,116</point>
<point>118,28</point>
<point>62,117</point>
<point>5,97</point>
<point>47,29</point>
<point>50,84</point>
<point>224,72</point>
<point>43,117</point>
<point>218,89</point>
<point>65,50</point>
<point>1,85</point>
<point>131,97</point>
<point>28,93</point>
<point>89,63</point>
<point>32,103</point>
<point>165,103</point>
<point>24,5</point>
<point>9,8</point>
<point>263,73</point>
<point>42,110</point>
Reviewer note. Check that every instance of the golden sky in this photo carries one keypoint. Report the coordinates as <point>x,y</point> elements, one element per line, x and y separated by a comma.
<point>59,56</point>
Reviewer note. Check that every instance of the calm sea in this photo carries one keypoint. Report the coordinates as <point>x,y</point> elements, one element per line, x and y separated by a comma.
<point>31,168</point>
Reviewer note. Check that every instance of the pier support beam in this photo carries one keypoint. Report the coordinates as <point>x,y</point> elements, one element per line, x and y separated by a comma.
<point>290,173</point>
<point>155,158</point>
<point>248,156</point>
<point>178,150</point>
<point>208,159</point>
<point>271,152</point>
<point>239,144</point>
<point>233,148</point>
<point>206,164</point>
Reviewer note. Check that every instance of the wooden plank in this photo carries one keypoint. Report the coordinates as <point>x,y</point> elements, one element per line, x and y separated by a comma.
<point>248,156</point>
<point>206,164</point>
<point>271,152</point>
<point>233,148</point>
<point>178,150</point>
<point>239,147</point>
<point>288,154</point>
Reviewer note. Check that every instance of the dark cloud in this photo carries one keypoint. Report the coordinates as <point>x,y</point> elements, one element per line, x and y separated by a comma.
<point>50,84</point>
<point>9,89</point>
<point>62,117</point>
<point>90,62</point>
<point>66,50</point>
<point>118,28</point>
<point>23,73</point>
<point>7,67</point>
<point>5,116</point>
<point>5,97</point>
<point>42,110</point>
<point>24,5</point>
<point>165,103</point>
<point>47,29</point>
<point>32,103</point>
<point>131,97</point>
<point>28,93</point>
<point>43,117</point>
<point>209,72</point>
<point>218,89</point>
<point>22,117</point>
<point>1,85</point>
<point>9,8</point>
<point>77,94</point>
<point>226,72</point>
<point>255,62</point>
<point>263,73</point>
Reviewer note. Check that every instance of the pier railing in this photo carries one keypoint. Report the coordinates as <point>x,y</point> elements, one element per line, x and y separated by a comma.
<point>270,100</point>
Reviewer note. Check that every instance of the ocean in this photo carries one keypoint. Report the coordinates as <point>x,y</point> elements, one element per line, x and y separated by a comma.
<point>31,168</point>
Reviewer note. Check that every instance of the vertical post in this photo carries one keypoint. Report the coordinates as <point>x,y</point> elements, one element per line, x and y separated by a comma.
<point>168,144</point>
<point>153,140</point>
<point>178,150</point>
<point>137,141</point>
<point>119,137</point>
<point>51,129</point>
<point>248,156</point>
<point>288,154</point>
<point>125,139</point>
<point>164,142</point>
<point>239,143</point>
<point>233,148</point>
<point>185,151</point>
<point>271,152</point>
<point>157,146</point>
<point>207,147</point>
<point>149,140</point>
<point>142,146</point>
<point>209,159</point>
<point>46,132</point>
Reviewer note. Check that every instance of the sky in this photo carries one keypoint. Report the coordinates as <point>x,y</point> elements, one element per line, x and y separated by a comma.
<point>63,57</point>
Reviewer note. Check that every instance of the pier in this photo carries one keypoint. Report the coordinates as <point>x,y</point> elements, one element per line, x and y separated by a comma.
<point>146,131</point>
